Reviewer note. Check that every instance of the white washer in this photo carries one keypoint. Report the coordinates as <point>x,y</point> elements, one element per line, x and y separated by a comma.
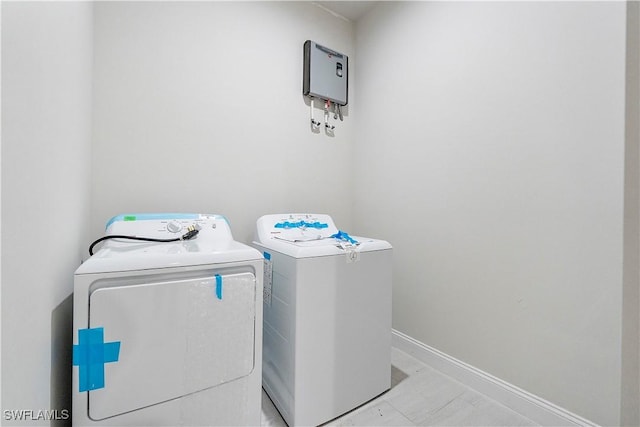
<point>168,333</point>
<point>327,317</point>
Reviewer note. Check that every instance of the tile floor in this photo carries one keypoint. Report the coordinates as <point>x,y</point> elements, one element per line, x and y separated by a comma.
<point>419,396</point>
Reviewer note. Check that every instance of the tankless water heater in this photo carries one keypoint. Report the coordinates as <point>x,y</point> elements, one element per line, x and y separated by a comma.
<point>326,73</point>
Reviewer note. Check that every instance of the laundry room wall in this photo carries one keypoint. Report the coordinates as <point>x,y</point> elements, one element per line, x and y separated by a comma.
<point>46,143</point>
<point>198,107</point>
<point>490,152</point>
<point>630,399</point>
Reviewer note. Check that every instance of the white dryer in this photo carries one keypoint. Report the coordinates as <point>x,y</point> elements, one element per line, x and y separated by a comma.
<point>168,333</point>
<point>327,317</point>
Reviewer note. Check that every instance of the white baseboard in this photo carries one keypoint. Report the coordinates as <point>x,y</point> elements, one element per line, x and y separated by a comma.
<point>531,406</point>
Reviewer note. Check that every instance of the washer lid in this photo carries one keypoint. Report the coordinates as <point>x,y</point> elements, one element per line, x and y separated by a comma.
<point>309,235</point>
<point>295,227</point>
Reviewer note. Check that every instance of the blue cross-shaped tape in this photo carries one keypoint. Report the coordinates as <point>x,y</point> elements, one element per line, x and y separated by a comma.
<point>90,355</point>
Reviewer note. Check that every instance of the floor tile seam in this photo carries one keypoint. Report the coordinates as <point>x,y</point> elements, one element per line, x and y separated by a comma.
<point>433,413</point>
<point>484,398</point>
<point>504,407</point>
<point>405,416</point>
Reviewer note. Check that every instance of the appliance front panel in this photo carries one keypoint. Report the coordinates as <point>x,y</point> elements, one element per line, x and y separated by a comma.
<point>176,337</point>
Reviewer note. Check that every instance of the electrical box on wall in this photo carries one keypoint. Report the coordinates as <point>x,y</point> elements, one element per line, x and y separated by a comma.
<point>326,73</point>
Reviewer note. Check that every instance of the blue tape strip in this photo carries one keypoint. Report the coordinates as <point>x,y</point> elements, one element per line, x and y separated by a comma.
<point>219,286</point>
<point>341,235</point>
<point>90,355</point>
<point>267,256</point>
<point>299,224</point>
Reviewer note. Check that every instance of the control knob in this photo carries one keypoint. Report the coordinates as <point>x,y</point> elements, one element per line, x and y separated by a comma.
<point>174,227</point>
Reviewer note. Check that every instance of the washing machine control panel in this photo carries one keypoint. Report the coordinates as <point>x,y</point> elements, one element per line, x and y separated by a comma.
<point>295,227</point>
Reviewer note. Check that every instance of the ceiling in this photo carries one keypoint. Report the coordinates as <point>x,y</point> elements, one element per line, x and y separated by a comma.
<point>352,10</point>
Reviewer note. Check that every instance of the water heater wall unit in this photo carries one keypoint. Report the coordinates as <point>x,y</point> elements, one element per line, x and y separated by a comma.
<point>326,73</point>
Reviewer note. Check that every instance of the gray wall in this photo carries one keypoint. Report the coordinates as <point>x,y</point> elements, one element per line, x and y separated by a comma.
<point>630,404</point>
<point>46,140</point>
<point>486,141</point>
<point>198,107</point>
<point>490,152</point>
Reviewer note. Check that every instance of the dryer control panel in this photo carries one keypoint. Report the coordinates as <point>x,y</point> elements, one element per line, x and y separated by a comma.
<point>212,244</point>
<point>167,226</point>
